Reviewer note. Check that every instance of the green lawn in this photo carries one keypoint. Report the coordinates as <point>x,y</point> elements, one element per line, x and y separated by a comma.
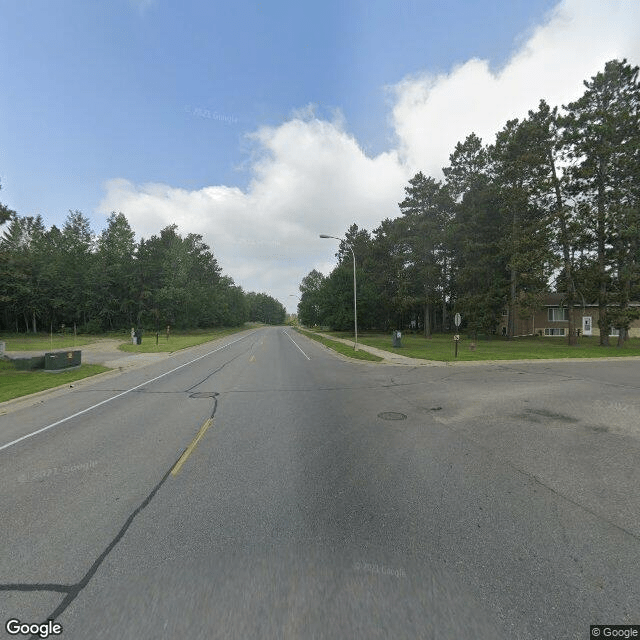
<point>43,342</point>
<point>14,384</point>
<point>178,340</point>
<point>441,347</point>
<point>344,349</point>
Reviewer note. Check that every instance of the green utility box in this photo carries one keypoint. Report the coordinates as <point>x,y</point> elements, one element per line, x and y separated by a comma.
<point>61,360</point>
<point>28,364</point>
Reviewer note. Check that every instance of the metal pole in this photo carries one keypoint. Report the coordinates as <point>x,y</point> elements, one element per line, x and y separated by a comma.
<point>355,308</point>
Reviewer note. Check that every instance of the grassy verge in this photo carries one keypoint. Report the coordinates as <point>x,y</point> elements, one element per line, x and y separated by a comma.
<point>14,384</point>
<point>178,340</point>
<point>344,349</point>
<point>441,347</point>
<point>44,342</point>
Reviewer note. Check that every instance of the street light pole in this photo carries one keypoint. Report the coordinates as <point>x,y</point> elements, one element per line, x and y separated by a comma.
<point>355,303</point>
<point>293,295</point>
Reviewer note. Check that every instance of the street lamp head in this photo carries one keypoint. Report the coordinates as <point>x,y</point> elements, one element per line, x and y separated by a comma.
<point>324,235</point>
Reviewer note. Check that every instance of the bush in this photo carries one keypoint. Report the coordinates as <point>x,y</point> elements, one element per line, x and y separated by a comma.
<point>92,326</point>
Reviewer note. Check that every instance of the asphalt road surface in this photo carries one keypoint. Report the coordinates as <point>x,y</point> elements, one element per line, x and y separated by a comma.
<point>263,487</point>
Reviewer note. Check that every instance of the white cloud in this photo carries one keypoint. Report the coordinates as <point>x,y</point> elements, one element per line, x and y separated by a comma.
<point>433,113</point>
<point>311,176</point>
<point>142,5</point>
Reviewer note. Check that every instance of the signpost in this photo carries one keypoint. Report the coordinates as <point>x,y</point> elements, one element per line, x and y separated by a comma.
<point>457,320</point>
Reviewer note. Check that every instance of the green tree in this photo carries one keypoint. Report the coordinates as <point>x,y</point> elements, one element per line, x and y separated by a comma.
<point>311,308</point>
<point>427,210</point>
<point>76,260</point>
<point>479,272</point>
<point>518,165</point>
<point>5,213</point>
<point>264,308</point>
<point>24,272</point>
<point>601,140</point>
<point>114,273</point>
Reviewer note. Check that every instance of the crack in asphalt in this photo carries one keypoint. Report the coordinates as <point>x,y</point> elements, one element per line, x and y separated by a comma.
<point>597,515</point>
<point>273,390</point>
<point>180,391</point>
<point>197,384</point>
<point>74,590</point>
<point>532,476</point>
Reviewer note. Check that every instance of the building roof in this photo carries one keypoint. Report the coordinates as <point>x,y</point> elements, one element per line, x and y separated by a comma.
<point>558,299</point>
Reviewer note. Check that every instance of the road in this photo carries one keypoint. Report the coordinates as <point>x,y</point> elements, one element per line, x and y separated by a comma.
<point>263,487</point>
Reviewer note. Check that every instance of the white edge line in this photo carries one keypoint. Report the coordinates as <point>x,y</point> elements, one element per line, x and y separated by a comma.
<point>294,342</point>
<point>79,413</point>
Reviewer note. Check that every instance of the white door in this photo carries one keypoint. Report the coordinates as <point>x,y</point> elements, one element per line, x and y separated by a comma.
<point>586,325</point>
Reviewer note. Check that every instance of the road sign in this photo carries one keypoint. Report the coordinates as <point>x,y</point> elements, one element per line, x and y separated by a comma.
<point>456,337</point>
<point>457,319</point>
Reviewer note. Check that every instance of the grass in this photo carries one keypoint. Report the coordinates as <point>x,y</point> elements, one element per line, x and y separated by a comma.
<point>344,349</point>
<point>43,342</point>
<point>178,340</point>
<point>14,384</point>
<point>441,347</point>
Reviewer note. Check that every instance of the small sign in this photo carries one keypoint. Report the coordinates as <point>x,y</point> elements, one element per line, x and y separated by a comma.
<point>457,319</point>
<point>456,337</point>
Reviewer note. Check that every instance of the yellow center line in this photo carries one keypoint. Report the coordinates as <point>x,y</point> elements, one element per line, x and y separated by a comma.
<point>189,450</point>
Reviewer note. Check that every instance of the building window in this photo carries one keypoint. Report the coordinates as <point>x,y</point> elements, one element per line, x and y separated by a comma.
<point>558,314</point>
<point>554,332</point>
<point>613,332</point>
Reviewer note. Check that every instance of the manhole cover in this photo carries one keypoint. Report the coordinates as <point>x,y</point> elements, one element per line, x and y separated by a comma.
<point>392,415</point>
<point>203,394</point>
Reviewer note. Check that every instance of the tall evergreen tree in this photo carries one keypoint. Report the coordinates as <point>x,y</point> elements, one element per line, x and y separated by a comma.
<point>480,280</point>
<point>427,210</point>
<point>602,138</point>
<point>527,241</point>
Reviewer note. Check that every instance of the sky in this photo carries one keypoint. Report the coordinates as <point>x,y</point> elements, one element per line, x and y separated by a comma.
<point>261,125</point>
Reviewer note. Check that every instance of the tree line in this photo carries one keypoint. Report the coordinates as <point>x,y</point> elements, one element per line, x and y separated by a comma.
<point>70,277</point>
<point>552,205</point>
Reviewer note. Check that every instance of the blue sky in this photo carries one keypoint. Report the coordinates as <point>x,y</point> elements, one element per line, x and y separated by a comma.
<point>219,112</point>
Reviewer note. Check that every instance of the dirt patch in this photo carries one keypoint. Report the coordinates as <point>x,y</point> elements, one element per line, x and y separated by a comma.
<point>104,345</point>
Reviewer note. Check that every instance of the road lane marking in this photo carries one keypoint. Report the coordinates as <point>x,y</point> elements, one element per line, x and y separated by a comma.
<point>79,413</point>
<point>294,342</point>
<point>189,450</point>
